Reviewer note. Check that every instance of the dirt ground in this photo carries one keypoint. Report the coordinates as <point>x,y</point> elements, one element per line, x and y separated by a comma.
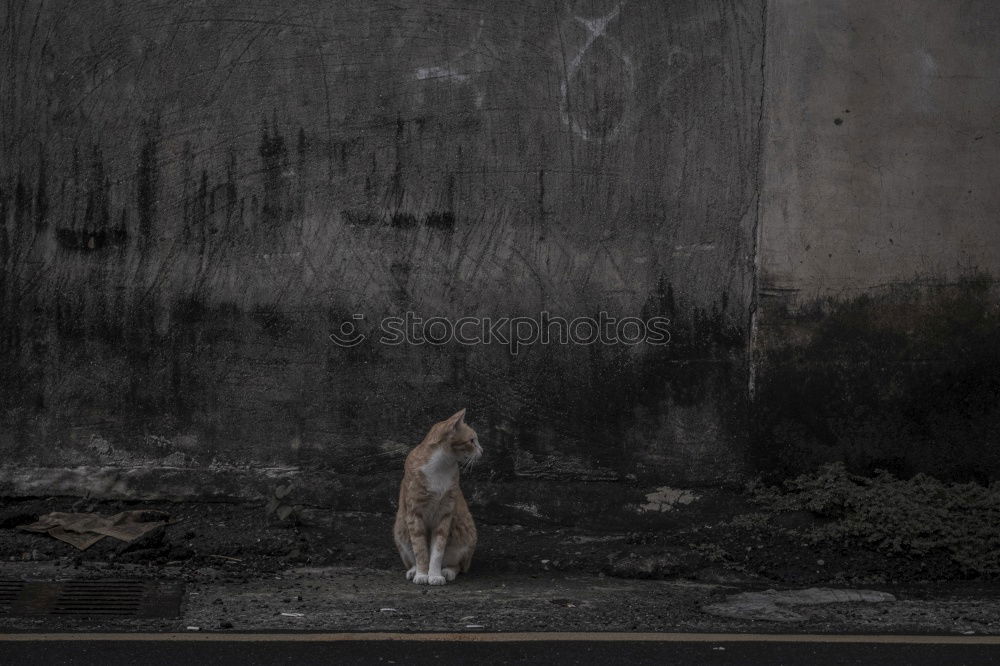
<point>706,545</point>
<point>245,569</point>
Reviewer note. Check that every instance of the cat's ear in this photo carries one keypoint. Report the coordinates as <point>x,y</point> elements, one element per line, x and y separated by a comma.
<point>456,419</point>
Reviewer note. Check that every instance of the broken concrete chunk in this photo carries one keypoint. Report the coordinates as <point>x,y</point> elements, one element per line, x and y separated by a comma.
<point>666,499</point>
<point>151,539</point>
<point>175,459</point>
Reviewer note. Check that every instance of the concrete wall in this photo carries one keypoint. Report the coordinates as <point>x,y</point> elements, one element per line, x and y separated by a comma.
<point>877,327</point>
<point>882,145</point>
<point>201,193</point>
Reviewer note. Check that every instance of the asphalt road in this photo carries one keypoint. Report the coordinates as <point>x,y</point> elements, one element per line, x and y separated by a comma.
<point>245,651</point>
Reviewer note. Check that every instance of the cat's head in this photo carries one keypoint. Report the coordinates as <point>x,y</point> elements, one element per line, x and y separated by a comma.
<point>458,436</point>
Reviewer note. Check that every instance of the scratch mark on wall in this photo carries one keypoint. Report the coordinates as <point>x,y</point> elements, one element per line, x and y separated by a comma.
<point>448,73</point>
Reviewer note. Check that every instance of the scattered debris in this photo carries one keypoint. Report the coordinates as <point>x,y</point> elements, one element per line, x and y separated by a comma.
<point>530,509</point>
<point>665,563</point>
<point>226,557</point>
<point>666,499</point>
<point>175,459</point>
<point>773,605</point>
<point>100,445</point>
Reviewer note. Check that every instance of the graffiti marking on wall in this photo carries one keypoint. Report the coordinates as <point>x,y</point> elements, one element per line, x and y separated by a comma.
<point>605,117</point>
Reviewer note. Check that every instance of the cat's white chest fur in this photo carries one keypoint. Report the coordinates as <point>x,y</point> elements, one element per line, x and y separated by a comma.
<point>439,471</point>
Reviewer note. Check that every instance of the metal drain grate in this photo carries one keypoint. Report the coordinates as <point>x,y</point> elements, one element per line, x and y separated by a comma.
<point>128,598</point>
<point>9,591</point>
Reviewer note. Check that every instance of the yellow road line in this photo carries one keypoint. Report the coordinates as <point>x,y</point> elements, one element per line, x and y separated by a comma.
<point>508,637</point>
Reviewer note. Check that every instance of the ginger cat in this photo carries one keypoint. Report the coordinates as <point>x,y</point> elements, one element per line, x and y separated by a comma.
<point>434,531</point>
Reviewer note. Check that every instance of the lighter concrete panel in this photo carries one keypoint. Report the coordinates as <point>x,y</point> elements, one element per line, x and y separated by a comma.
<point>881,146</point>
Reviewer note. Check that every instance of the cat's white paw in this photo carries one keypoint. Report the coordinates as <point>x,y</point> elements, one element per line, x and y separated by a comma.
<point>411,573</point>
<point>449,573</point>
<point>436,580</point>
<point>420,578</point>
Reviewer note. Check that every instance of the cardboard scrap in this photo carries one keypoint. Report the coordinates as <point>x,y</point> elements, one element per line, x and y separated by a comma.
<point>83,530</point>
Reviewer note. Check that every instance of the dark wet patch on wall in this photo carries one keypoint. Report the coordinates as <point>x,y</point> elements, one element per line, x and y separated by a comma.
<point>907,380</point>
<point>169,285</point>
<point>220,383</point>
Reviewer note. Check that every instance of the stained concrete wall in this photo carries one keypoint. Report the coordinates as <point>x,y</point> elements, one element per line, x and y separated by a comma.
<point>876,335</point>
<point>196,195</point>
<point>881,145</point>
